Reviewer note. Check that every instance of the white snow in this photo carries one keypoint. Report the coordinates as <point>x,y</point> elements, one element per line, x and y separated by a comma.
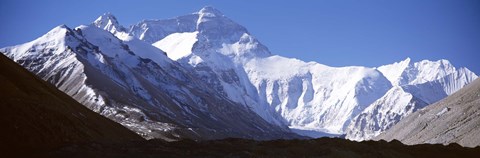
<point>195,60</point>
<point>315,96</point>
<point>177,45</point>
<point>415,86</point>
<point>145,50</point>
<point>108,44</point>
<point>54,39</point>
<point>382,114</point>
<point>108,22</point>
<point>394,71</point>
<point>408,73</point>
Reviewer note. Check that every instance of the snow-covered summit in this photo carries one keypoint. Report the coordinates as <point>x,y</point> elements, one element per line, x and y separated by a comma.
<point>213,34</point>
<point>409,73</point>
<point>394,71</point>
<point>51,40</point>
<point>209,11</point>
<point>109,22</point>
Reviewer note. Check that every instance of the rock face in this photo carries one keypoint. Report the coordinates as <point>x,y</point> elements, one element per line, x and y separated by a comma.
<point>455,119</point>
<point>37,116</point>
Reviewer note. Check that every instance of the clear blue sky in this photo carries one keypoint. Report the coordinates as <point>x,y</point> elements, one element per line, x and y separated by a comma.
<point>332,32</point>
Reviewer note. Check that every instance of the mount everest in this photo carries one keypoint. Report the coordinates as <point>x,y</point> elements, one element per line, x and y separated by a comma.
<point>204,76</point>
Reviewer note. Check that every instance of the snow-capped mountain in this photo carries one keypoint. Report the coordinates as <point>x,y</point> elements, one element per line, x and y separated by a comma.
<point>213,47</point>
<point>203,72</point>
<point>283,91</point>
<point>108,22</point>
<point>304,96</point>
<point>137,85</point>
<point>415,86</point>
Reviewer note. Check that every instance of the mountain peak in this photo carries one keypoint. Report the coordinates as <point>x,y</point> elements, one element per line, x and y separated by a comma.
<point>210,11</point>
<point>62,26</point>
<point>108,22</point>
<point>105,19</point>
<point>407,60</point>
<point>393,72</point>
<point>439,64</point>
<point>58,32</point>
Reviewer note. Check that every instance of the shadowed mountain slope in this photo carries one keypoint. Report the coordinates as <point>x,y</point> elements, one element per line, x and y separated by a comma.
<point>37,116</point>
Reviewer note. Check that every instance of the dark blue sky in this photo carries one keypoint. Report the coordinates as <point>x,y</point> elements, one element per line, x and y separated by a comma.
<point>332,32</point>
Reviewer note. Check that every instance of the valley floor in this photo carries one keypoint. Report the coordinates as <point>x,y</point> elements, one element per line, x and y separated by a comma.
<point>322,147</point>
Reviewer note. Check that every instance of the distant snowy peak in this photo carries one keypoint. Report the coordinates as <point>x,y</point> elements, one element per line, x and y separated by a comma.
<point>120,37</point>
<point>426,71</point>
<point>217,26</point>
<point>152,31</point>
<point>109,22</point>
<point>210,19</point>
<point>408,73</point>
<point>53,40</point>
<point>58,34</point>
<point>210,12</point>
<point>222,35</point>
<point>415,85</point>
<point>202,33</point>
<point>393,72</point>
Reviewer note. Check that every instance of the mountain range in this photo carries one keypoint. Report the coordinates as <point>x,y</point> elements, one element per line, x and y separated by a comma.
<point>203,76</point>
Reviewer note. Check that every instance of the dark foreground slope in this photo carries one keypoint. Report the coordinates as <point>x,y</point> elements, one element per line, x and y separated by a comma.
<point>455,119</point>
<point>36,116</point>
<point>323,147</point>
